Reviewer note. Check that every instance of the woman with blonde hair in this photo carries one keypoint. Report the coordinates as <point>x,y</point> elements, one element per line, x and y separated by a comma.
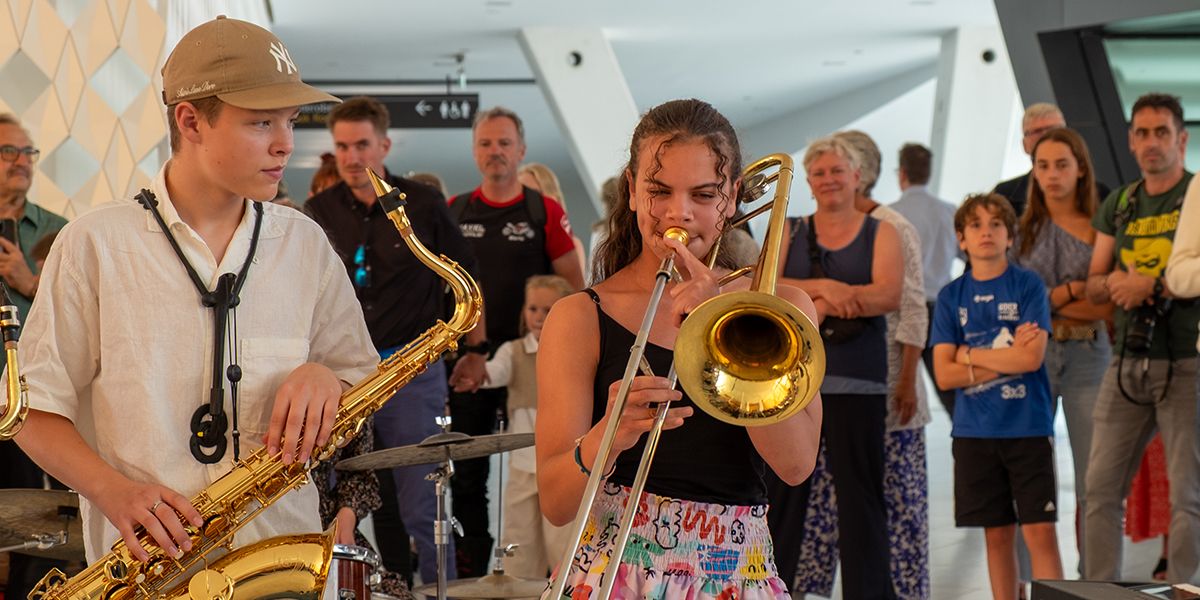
<point>541,179</point>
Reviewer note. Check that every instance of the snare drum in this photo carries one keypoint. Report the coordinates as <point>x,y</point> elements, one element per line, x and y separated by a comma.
<point>353,572</point>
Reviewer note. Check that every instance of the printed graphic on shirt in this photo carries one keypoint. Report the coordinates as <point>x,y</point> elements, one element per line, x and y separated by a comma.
<point>1153,225</point>
<point>472,230</point>
<point>1008,311</point>
<point>962,316</point>
<point>1148,255</point>
<point>518,232</point>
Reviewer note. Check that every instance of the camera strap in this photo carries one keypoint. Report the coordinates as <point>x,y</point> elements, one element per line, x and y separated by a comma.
<point>209,423</point>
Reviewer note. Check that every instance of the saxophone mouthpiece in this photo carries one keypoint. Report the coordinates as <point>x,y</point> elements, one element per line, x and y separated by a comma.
<point>388,195</point>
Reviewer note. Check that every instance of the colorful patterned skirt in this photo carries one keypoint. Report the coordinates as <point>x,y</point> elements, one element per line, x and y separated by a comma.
<point>677,549</point>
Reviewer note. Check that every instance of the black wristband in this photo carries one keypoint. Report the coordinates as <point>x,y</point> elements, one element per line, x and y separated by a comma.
<point>483,348</point>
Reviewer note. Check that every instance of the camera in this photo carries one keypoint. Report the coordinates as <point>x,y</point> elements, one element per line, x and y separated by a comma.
<point>1139,333</point>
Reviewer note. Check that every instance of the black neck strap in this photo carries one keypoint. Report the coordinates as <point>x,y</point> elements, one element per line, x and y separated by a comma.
<point>209,423</point>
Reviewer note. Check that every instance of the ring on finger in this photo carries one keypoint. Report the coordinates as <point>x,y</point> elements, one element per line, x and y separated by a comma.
<point>155,506</point>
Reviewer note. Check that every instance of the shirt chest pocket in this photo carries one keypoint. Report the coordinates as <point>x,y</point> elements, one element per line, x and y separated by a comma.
<point>265,363</point>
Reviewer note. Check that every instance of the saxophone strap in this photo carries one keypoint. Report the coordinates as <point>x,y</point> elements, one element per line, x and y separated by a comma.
<point>209,423</point>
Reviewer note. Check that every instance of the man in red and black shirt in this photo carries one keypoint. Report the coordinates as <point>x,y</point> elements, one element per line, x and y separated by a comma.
<point>516,233</point>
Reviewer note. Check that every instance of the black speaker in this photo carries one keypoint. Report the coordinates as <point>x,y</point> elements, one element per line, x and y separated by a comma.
<point>1099,590</point>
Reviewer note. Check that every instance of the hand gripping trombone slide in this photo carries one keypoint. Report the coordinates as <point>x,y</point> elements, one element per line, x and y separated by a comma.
<point>748,358</point>
<point>287,566</point>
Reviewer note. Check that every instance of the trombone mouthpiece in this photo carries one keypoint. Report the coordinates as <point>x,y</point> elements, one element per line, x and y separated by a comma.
<point>678,234</point>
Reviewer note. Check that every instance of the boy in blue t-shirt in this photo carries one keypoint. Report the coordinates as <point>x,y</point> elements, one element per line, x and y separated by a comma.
<point>989,341</point>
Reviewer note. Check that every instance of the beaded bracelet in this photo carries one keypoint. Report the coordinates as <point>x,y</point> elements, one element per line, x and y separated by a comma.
<point>579,459</point>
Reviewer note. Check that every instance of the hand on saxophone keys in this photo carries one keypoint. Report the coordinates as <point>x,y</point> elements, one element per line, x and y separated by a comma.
<point>129,504</point>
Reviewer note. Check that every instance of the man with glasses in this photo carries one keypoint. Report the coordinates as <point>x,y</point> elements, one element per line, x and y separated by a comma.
<point>28,223</point>
<point>1039,118</point>
<point>400,298</point>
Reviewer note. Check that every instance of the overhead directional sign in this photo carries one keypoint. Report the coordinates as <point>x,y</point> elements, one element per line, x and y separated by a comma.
<point>410,111</point>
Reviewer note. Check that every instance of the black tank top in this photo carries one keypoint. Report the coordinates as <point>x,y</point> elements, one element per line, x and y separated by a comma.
<point>705,460</point>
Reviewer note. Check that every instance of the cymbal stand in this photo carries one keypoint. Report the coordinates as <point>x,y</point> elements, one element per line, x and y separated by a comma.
<point>502,550</point>
<point>39,541</point>
<point>46,541</point>
<point>444,523</point>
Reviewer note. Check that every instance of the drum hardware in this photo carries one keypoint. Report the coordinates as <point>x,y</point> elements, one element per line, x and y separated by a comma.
<point>42,523</point>
<point>353,573</point>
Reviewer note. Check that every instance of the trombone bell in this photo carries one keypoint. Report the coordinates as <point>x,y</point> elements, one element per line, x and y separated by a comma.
<point>749,358</point>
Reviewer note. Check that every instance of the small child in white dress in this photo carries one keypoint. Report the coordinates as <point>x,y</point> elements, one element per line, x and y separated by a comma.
<point>540,544</point>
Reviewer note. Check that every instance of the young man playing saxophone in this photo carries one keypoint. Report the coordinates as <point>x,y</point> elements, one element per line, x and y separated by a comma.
<point>123,344</point>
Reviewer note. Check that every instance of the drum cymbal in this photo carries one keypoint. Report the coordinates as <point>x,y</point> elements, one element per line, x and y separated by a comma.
<point>27,514</point>
<point>436,448</point>
<point>496,585</point>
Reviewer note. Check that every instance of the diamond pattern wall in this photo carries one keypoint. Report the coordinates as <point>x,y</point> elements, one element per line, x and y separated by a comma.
<point>82,77</point>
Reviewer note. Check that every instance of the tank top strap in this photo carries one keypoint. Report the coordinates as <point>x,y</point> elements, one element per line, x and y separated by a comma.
<point>600,318</point>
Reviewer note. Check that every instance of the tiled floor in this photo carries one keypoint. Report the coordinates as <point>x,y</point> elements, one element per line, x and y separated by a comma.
<point>958,567</point>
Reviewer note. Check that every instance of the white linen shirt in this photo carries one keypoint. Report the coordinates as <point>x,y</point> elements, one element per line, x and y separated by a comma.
<point>1183,267</point>
<point>119,343</point>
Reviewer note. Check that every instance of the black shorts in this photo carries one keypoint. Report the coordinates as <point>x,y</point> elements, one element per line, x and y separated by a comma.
<point>1003,481</point>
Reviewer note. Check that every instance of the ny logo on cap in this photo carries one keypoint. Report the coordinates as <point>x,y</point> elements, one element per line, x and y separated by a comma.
<point>281,56</point>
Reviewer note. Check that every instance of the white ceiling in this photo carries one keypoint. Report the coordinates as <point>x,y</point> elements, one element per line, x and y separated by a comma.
<point>756,61</point>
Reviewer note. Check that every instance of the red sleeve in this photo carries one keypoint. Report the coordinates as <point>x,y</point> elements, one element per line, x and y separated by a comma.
<point>558,230</point>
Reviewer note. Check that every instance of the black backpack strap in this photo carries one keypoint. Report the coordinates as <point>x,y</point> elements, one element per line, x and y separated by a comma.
<point>458,205</point>
<point>814,251</point>
<point>1126,205</point>
<point>535,203</point>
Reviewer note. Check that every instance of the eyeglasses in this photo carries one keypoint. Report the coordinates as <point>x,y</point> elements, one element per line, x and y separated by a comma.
<point>362,271</point>
<point>9,153</point>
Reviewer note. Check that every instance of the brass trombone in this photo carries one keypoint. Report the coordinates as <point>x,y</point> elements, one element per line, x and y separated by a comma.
<point>747,358</point>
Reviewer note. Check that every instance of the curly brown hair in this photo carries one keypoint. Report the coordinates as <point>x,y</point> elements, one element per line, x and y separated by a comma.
<point>678,121</point>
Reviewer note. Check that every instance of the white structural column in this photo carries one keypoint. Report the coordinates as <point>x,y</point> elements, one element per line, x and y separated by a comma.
<point>973,111</point>
<point>584,86</point>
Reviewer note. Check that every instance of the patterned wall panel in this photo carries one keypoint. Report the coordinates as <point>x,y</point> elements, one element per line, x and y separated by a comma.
<point>82,76</point>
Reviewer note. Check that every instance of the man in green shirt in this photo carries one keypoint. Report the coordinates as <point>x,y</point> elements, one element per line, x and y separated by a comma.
<point>20,274</point>
<point>1151,383</point>
<point>17,155</point>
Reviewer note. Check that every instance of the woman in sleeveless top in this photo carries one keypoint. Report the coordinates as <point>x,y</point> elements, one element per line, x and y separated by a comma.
<point>1055,241</point>
<point>852,266</point>
<point>701,529</point>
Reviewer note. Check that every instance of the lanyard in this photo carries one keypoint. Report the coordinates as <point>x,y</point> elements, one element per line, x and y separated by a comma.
<point>209,422</point>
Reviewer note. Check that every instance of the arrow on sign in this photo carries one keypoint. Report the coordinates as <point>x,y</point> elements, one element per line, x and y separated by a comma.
<point>423,108</point>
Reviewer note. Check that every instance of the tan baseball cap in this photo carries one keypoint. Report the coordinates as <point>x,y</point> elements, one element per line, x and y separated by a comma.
<point>238,62</point>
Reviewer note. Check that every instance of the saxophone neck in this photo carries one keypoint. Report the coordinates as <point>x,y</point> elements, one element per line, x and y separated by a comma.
<point>16,406</point>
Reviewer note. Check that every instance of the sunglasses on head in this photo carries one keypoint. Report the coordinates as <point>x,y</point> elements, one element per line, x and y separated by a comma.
<point>362,271</point>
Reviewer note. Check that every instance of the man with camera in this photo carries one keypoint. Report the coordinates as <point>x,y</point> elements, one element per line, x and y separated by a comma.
<point>1151,383</point>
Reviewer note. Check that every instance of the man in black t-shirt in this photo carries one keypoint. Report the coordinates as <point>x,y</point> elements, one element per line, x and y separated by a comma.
<point>400,298</point>
<point>516,233</point>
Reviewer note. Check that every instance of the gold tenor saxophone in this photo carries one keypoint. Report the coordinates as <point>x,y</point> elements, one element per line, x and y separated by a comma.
<point>289,566</point>
<point>16,406</point>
